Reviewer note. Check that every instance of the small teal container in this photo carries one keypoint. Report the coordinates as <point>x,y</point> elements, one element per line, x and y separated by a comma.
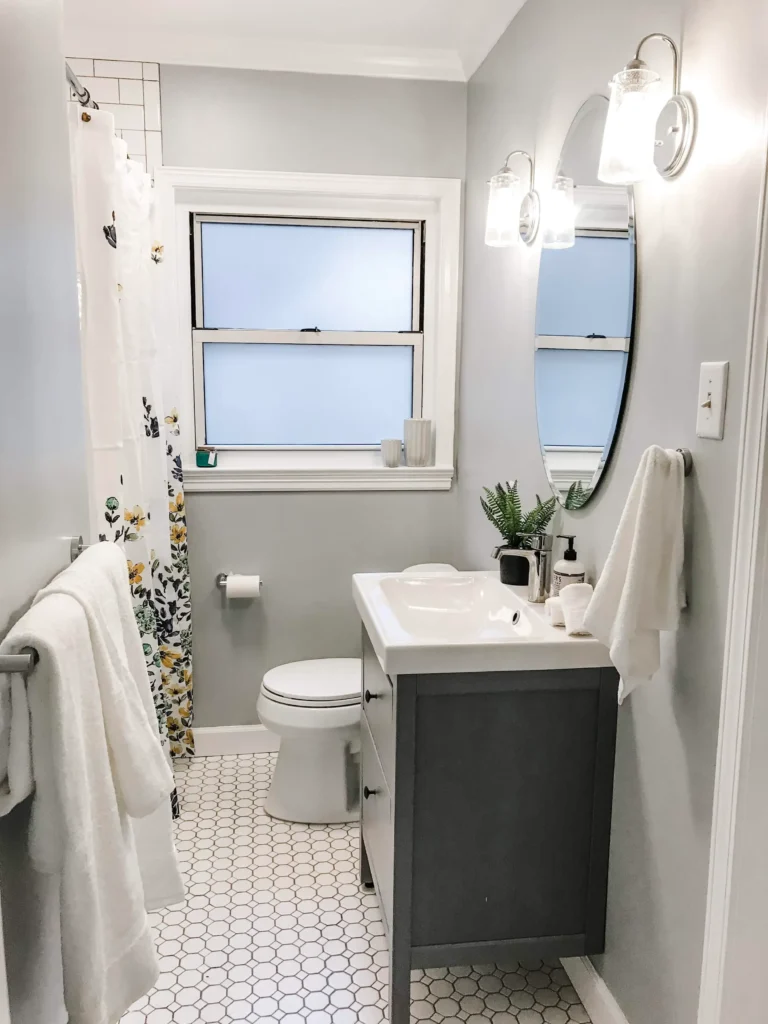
<point>206,458</point>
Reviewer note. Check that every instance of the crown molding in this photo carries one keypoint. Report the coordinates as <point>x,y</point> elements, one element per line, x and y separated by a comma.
<point>247,52</point>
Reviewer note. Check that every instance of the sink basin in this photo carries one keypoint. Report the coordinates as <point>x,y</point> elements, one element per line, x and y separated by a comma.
<point>463,622</point>
<point>456,608</point>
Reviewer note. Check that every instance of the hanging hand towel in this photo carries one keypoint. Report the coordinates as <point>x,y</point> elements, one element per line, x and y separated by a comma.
<point>640,592</point>
<point>99,579</point>
<point>79,829</point>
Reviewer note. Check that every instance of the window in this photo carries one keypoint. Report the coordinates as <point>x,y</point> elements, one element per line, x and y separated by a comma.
<point>307,333</point>
<point>303,317</point>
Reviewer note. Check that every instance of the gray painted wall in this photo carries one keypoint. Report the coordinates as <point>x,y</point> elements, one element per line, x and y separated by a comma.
<point>305,546</point>
<point>696,246</point>
<point>43,493</point>
<point>283,121</point>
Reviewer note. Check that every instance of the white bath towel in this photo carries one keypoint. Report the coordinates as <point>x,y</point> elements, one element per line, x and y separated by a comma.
<point>555,611</point>
<point>15,738</point>
<point>574,600</point>
<point>640,592</point>
<point>99,580</point>
<point>79,828</point>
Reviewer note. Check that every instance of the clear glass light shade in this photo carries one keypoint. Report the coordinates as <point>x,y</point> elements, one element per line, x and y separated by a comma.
<point>629,139</point>
<point>560,215</point>
<point>502,226</point>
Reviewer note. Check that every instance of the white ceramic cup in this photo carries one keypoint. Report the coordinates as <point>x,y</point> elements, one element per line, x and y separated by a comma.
<point>391,450</point>
<point>418,442</point>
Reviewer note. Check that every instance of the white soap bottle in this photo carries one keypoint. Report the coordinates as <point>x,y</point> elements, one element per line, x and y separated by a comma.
<point>569,569</point>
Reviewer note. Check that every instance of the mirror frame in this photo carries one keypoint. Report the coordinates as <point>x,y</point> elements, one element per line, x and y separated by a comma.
<point>592,102</point>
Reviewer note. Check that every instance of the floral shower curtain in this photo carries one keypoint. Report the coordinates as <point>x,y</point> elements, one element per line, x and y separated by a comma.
<point>135,475</point>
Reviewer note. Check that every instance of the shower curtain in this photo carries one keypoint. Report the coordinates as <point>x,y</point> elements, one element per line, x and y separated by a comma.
<point>135,476</point>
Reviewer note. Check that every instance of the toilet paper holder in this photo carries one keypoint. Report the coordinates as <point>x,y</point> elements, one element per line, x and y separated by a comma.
<point>221,580</point>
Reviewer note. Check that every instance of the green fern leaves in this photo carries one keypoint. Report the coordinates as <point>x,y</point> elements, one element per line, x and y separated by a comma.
<point>503,508</point>
<point>577,495</point>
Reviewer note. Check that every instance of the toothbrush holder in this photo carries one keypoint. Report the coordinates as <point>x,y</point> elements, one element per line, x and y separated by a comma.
<point>418,442</point>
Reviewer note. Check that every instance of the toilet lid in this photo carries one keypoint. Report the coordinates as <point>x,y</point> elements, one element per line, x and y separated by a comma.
<point>327,682</point>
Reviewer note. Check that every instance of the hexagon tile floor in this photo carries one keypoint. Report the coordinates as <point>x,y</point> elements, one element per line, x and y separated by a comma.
<point>277,930</point>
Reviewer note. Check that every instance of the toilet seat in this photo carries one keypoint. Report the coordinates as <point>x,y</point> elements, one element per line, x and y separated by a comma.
<point>324,683</point>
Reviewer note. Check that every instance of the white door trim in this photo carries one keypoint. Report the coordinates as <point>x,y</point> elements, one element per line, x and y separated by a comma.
<point>730,925</point>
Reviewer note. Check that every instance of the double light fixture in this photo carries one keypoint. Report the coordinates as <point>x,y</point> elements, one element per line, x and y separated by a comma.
<point>644,131</point>
<point>514,216</point>
<point>643,134</point>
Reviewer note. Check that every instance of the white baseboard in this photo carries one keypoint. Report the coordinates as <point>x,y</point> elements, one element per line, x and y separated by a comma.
<point>235,739</point>
<point>597,998</point>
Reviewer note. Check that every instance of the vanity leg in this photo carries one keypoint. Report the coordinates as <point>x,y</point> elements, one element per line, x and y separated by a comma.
<point>399,984</point>
<point>366,878</point>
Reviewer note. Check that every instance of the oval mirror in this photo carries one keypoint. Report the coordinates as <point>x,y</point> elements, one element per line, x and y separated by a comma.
<point>584,312</point>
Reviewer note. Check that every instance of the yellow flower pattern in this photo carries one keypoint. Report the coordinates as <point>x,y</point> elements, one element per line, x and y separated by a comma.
<point>158,574</point>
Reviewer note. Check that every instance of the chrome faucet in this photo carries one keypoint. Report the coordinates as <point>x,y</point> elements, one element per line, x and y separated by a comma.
<point>539,558</point>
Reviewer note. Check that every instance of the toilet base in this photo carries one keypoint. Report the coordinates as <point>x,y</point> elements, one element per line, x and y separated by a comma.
<point>316,779</point>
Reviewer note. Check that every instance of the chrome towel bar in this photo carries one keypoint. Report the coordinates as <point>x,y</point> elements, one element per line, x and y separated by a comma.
<point>28,658</point>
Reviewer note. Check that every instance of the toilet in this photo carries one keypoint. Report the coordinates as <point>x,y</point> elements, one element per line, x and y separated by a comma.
<point>314,707</point>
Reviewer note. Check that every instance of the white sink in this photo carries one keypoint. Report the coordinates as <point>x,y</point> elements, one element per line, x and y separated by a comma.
<point>463,622</point>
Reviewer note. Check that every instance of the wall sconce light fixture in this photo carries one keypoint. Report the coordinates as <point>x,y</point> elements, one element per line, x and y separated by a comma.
<point>511,216</point>
<point>559,217</point>
<point>642,132</point>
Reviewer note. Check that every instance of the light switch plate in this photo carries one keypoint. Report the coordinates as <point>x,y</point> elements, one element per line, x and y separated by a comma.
<point>713,388</point>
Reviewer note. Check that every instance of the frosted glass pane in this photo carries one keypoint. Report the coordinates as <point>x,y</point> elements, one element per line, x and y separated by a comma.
<point>578,395</point>
<point>290,276</point>
<point>306,394</point>
<point>588,289</point>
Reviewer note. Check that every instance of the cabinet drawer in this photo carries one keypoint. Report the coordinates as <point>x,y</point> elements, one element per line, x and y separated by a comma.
<point>377,822</point>
<point>379,708</point>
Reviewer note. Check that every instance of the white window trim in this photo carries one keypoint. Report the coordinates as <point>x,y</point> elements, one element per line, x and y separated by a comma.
<point>436,201</point>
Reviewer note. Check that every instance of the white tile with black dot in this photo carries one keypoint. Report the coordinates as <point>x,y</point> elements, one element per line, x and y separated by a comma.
<point>276,929</point>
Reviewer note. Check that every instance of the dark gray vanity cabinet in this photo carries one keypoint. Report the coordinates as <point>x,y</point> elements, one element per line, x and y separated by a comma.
<point>486,814</point>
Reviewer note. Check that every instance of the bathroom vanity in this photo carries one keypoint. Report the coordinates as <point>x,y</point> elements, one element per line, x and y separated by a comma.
<point>487,743</point>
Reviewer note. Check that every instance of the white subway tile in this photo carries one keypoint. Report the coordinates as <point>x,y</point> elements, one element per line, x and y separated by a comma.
<point>103,90</point>
<point>154,142</point>
<point>118,68</point>
<point>138,158</point>
<point>81,65</point>
<point>152,106</point>
<point>134,140</point>
<point>131,91</point>
<point>125,116</point>
<point>151,72</point>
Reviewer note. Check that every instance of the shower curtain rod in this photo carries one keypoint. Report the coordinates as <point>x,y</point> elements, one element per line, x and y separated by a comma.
<point>81,93</point>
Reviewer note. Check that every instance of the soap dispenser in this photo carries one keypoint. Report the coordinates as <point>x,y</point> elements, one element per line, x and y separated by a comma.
<point>569,569</point>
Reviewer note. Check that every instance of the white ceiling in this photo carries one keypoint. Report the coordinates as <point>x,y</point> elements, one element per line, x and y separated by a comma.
<point>438,39</point>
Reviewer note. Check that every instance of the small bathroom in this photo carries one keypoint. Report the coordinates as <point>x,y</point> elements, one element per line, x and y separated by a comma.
<point>382,516</point>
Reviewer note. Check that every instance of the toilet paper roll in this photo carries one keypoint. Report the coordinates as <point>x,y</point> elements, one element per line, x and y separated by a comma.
<point>239,587</point>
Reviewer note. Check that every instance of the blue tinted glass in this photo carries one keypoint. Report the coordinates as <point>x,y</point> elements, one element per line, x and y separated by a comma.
<point>290,276</point>
<point>578,395</point>
<point>588,289</point>
<point>306,394</point>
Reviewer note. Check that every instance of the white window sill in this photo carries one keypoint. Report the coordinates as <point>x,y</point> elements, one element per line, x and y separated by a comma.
<point>318,478</point>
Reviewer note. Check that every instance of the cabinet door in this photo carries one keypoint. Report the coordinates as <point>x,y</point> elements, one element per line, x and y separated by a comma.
<point>379,709</point>
<point>377,823</point>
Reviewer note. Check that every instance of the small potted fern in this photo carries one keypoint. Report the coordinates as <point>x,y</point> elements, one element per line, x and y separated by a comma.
<point>504,509</point>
